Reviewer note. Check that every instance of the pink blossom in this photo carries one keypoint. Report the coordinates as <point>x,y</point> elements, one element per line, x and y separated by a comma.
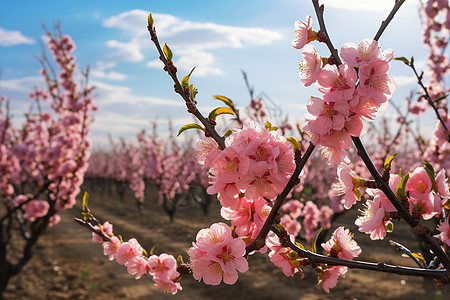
<point>348,183</point>
<point>326,116</point>
<point>336,141</point>
<point>419,183</point>
<point>217,255</point>
<point>250,215</point>
<point>366,52</point>
<point>215,236</point>
<point>442,184</point>
<point>371,221</point>
<point>161,265</point>
<point>137,266</point>
<point>230,257</point>
<point>427,205</point>
<point>374,82</point>
<point>127,251</point>
<point>53,220</point>
<point>364,106</point>
<point>107,230</point>
<point>329,277</point>
<point>337,83</point>
<point>36,209</point>
<point>169,283</point>
<point>444,228</point>
<point>279,255</point>
<point>326,213</point>
<point>228,193</point>
<point>303,32</point>
<point>310,66</point>
<point>418,108</point>
<point>385,203</point>
<point>293,208</point>
<point>283,261</point>
<point>206,151</point>
<point>311,219</point>
<point>228,166</point>
<point>111,248</point>
<point>342,244</point>
<point>291,225</point>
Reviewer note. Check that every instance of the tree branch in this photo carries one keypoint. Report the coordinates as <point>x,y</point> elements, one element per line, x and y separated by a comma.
<point>354,264</point>
<point>192,108</point>
<point>258,243</point>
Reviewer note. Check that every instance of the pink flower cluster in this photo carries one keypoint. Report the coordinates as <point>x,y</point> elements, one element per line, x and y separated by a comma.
<point>217,256</point>
<point>130,254</point>
<point>348,186</point>
<point>435,35</point>
<point>281,256</point>
<point>249,218</point>
<point>425,194</point>
<point>349,97</point>
<point>294,211</point>
<point>340,245</point>
<point>256,163</point>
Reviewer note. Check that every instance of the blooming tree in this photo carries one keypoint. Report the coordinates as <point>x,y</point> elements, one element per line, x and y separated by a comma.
<point>43,161</point>
<point>253,169</point>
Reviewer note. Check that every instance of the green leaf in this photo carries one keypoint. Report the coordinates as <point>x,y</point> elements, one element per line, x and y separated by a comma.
<point>153,249</point>
<point>441,98</point>
<point>185,81</point>
<point>314,242</point>
<point>225,100</point>
<point>85,202</point>
<point>387,163</point>
<point>86,213</point>
<point>193,91</point>
<point>144,252</point>
<point>294,142</point>
<point>400,191</point>
<point>167,52</point>
<point>219,111</point>
<point>180,260</point>
<point>269,126</point>
<point>228,133</point>
<point>357,193</point>
<point>189,126</point>
<point>403,59</point>
<point>430,171</point>
<point>150,20</point>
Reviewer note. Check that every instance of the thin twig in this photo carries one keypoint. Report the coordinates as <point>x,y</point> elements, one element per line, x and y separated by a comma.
<point>406,251</point>
<point>428,97</point>
<point>179,89</point>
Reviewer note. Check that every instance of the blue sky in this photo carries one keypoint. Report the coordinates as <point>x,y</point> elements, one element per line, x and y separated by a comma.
<point>221,38</point>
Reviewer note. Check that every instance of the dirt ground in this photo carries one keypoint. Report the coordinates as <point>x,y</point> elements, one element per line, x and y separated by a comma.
<point>68,265</point>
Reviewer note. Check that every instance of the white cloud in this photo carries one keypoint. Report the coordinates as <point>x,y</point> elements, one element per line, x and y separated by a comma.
<point>365,5</point>
<point>113,94</point>
<point>23,85</point>
<point>130,51</point>
<point>156,63</point>
<point>112,75</point>
<point>404,80</point>
<point>13,37</point>
<point>192,42</point>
